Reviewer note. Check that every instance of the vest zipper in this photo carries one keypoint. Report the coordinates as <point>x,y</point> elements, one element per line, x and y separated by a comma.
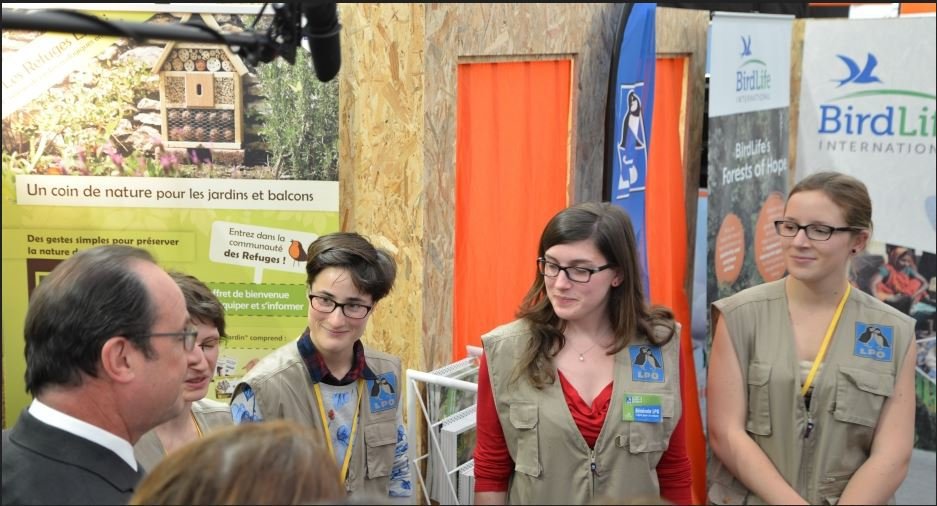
<point>807,448</point>
<point>592,468</point>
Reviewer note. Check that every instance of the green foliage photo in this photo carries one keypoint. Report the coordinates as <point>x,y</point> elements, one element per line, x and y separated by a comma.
<point>47,137</point>
<point>300,123</point>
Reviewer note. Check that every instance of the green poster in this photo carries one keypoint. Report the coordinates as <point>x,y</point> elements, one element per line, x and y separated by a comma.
<point>230,183</point>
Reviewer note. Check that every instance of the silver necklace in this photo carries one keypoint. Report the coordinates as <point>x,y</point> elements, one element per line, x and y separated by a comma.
<point>581,358</point>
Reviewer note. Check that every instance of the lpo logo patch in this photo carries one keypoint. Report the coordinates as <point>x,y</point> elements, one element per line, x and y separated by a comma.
<point>874,341</point>
<point>383,392</point>
<point>647,363</point>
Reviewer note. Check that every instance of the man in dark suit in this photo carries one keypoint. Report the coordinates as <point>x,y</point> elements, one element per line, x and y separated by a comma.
<point>108,341</point>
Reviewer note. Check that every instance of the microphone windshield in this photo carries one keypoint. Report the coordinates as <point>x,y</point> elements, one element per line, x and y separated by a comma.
<point>322,32</point>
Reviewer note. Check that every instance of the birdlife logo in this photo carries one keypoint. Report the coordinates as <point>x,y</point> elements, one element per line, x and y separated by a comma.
<point>746,46</point>
<point>632,145</point>
<point>870,105</point>
<point>647,363</point>
<point>857,76</point>
<point>383,392</point>
<point>874,341</point>
<point>752,77</point>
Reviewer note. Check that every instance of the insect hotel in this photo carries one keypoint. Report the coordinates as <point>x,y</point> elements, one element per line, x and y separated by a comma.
<point>201,98</point>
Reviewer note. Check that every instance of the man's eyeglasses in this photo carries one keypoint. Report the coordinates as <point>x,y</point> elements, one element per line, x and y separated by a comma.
<point>349,309</point>
<point>577,274</point>
<point>815,232</point>
<point>187,336</point>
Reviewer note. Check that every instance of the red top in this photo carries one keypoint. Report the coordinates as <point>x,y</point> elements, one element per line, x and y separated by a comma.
<point>494,466</point>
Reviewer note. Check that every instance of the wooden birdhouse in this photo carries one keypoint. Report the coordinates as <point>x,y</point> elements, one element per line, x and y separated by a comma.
<point>201,98</point>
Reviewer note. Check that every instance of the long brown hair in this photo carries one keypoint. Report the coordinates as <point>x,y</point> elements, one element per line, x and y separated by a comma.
<point>609,228</point>
<point>275,462</point>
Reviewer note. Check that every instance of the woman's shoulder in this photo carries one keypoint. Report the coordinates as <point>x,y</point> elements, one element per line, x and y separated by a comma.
<point>763,293</point>
<point>508,331</point>
<point>869,305</point>
<point>375,354</point>
<point>212,414</point>
<point>207,405</point>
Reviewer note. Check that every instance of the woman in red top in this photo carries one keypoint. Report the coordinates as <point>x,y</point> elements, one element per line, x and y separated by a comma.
<point>585,307</point>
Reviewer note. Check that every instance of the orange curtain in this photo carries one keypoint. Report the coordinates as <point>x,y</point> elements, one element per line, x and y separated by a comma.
<point>916,8</point>
<point>512,152</point>
<point>667,246</point>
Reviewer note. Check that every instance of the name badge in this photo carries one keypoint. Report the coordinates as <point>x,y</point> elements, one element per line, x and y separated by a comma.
<point>642,408</point>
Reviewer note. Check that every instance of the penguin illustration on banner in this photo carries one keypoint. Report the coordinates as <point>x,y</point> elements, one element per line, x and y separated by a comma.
<point>632,147</point>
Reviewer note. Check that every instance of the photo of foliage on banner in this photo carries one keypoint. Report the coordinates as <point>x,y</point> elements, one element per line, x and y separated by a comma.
<point>112,126</point>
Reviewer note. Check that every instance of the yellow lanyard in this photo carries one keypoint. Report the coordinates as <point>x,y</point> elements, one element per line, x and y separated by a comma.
<point>198,430</point>
<point>325,427</point>
<point>826,341</point>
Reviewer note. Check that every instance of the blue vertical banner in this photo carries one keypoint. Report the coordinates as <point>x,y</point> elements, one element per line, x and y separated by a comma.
<point>628,124</point>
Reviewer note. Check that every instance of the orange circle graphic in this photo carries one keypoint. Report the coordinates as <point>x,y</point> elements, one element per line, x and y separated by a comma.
<point>769,259</point>
<point>730,249</point>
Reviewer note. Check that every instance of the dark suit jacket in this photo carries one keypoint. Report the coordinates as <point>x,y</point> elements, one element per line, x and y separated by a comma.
<point>46,465</point>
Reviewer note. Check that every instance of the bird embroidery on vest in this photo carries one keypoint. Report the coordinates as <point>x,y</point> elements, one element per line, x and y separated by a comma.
<point>647,363</point>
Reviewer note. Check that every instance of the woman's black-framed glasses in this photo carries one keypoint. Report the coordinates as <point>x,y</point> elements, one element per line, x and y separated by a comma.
<point>349,309</point>
<point>815,232</point>
<point>577,274</point>
<point>187,336</point>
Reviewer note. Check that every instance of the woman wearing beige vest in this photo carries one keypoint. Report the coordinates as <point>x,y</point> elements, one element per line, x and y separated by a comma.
<point>811,387</point>
<point>201,415</point>
<point>579,400</point>
<point>328,380</point>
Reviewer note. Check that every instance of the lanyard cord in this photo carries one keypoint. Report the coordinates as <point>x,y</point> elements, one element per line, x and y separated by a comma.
<point>198,429</point>
<point>325,427</point>
<point>826,341</point>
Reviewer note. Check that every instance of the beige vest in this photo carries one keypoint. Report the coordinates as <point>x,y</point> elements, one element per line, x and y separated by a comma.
<point>284,389</point>
<point>209,415</point>
<point>552,462</point>
<point>858,374</point>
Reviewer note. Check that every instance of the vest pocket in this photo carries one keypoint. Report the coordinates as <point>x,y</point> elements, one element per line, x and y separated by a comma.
<point>724,488</point>
<point>379,441</point>
<point>524,418</point>
<point>759,399</point>
<point>860,395</point>
<point>646,437</point>
<point>832,487</point>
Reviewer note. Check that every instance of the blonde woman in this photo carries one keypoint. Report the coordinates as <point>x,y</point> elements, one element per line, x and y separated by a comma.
<point>201,415</point>
<point>811,383</point>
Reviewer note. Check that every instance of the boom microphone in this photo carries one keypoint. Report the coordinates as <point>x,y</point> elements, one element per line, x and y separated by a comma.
<point>321,30</point>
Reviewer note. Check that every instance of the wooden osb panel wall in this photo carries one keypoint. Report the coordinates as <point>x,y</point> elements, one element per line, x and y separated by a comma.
<point>397,140</point>
<point>797,67</point>
<point>460,33</point>
<point>682,33</point>
<point>381,158</point>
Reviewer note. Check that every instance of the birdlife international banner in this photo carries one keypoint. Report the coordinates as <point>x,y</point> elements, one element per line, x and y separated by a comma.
<point>749,95</point>
<point>867,108</point>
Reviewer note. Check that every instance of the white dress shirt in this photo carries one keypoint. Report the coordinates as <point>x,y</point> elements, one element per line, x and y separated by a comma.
<point>85,430</point>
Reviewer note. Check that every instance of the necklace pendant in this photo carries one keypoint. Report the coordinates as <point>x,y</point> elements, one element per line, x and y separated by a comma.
<point>580,357</point>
